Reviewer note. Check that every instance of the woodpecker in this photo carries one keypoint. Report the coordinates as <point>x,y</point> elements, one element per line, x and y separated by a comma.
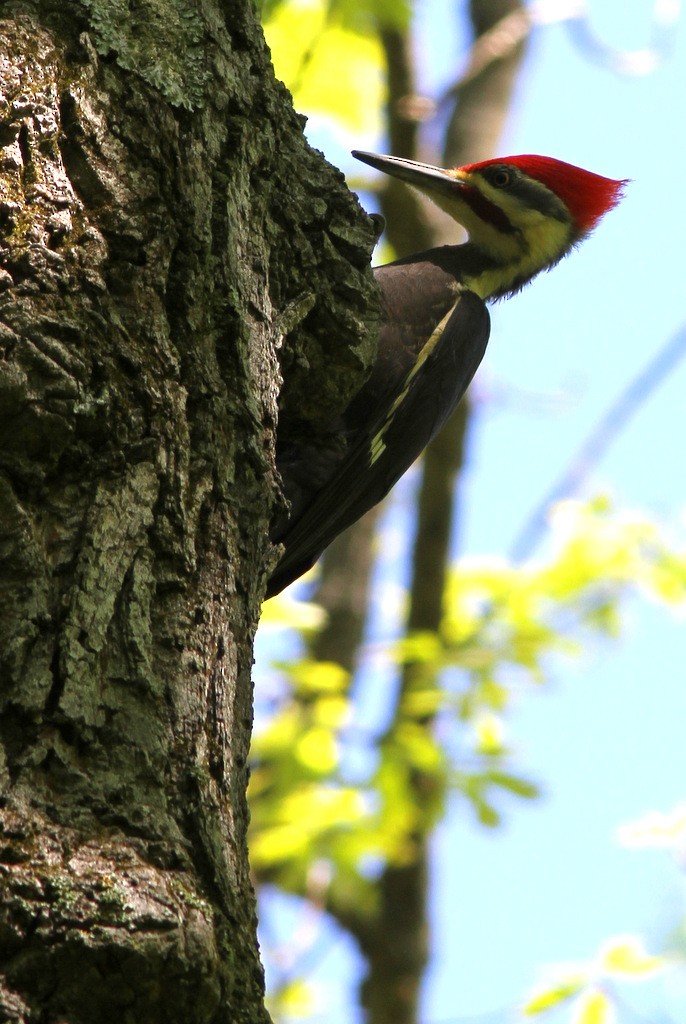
<point>522,215</point>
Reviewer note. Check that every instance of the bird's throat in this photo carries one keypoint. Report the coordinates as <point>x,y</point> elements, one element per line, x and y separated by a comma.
<point>493,270</point>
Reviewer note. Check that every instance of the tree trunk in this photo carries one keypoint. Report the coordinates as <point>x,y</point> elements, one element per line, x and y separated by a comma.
<point>163,231</point>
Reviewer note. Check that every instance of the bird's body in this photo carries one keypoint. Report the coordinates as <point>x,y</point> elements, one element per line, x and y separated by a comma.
<point>523,214</point>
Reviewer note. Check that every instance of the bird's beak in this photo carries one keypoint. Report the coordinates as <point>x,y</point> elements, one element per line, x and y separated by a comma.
<point>434,180</point>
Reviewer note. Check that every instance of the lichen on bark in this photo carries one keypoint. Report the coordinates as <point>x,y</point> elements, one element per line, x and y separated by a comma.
<point>160,40</point>
<point>153,265</point>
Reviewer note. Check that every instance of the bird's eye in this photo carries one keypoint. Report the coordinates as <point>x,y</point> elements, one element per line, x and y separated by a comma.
<point>502,178</point>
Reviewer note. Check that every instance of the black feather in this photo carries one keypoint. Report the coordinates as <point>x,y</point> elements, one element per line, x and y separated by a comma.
<point>411,392</point>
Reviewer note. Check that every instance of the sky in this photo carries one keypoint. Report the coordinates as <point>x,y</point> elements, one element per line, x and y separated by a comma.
<point>606,740</point>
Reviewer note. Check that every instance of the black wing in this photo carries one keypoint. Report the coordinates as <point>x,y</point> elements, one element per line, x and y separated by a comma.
<point>410,417</point>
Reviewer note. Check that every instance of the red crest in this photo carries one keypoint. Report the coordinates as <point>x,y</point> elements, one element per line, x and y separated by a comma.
<point>586,195</point>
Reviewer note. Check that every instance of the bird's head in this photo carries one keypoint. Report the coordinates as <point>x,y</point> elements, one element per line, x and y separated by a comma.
<point>522,213</point>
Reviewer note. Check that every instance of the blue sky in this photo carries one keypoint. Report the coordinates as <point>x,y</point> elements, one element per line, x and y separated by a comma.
<point>606,740</point>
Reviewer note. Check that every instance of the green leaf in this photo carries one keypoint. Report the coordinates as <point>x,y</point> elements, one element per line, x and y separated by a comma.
<point>424,647</point>
<point>294,999</point>
<point>370,15</point>
<point>515,784</point>
<point>626,956</point>
<point>594,1007</point>
<point>486,813</point>
<point>419,747</point>
<point>284,611</point>
<point>547,998</point>
<point>330,68</point>
<point>317,750</point>
<point>656,829</point>
<point>489,730</point>
<point>309,677</point>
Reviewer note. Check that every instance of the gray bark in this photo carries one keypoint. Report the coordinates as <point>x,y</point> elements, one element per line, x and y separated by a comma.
<point>164,230</point>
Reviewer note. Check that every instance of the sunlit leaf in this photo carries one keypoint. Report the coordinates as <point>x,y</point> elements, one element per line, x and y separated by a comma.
<point>514,783</point>
<point>304,819</point>
<point>486,813</point>
<point>490,732</point>
<point>422,701</point>
<point>656,829</point>
<point>367,15</point>
<point>545,998</point>
<point>284,611</point>
<point>278,736</point>
<point>331,69</point>
<point>399,813</point>
<point>281,842</point>
<point>493,694</point>
<point>295,999</point>
<point>310,677</point>
<point>362,15</point>
<point>419,647</point>
<point>331,712</point>
<point>626,955</point>
<point>593,1007</point>
<point>317,749</point>
<point>419,746</point>
<point>668,577</point>
<point>502,627</point>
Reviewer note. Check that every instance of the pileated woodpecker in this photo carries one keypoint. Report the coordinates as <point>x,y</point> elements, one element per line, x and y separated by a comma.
<point>522,215</point>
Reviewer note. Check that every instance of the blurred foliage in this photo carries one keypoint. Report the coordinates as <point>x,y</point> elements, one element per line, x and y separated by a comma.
<point>361,16</point>
<point>592,989</point>
<point>502,627</point>
<point>334,799</point>
<point>330,57</point>
<point>595,991</point>
<point>293,999</point>
<point>328,791</point>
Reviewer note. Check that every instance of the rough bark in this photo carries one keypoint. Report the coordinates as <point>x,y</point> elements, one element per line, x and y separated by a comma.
<point>163,231</point>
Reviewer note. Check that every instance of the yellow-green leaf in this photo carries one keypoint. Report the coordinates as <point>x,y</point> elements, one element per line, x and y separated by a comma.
<point>272,845</point>
<point>626,955</point>
<point>311,677</point>
<point>490,733</point>
<point>423,647</point>
<point>546,998</point>
<point>284,611</point>
<point>656,829</point>
<point>330,69</point>
<point>331,712</point>
<point>295,999</point>
<point>317,749</point>
<point>593,1007</point>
